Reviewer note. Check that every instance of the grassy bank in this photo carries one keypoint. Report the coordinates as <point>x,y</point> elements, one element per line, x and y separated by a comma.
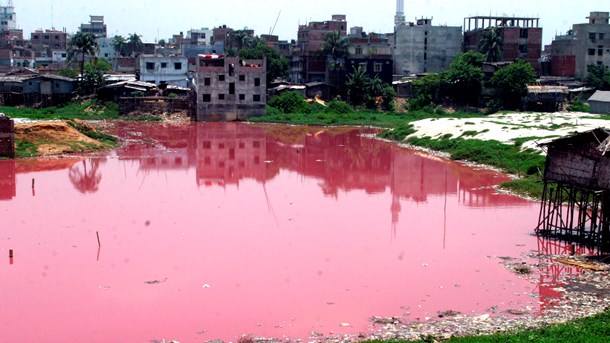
<point>322,117</point>
<point>86,110</point>
<point>591,330</point>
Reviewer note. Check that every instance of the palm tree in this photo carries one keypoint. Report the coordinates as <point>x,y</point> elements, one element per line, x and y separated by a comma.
<point>336,47</point>
<point>86,180</point>
<point>135,42</point>
<point>239,39</point>
<point>357,87</point>
<point>82,44</point>
<point>118,42</point>
<point>491,45</point>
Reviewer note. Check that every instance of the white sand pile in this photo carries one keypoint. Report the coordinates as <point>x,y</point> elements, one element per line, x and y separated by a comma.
<point>508,127</point>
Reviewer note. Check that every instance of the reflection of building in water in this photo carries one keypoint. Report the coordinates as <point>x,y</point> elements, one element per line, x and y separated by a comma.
<point>8,187</point>
<point>228,152</point>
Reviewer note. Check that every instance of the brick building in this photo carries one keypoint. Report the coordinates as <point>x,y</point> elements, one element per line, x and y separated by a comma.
<point>229,88</point>
<point>307,64</point>
<point>584,45</point>
<point>521,37</point>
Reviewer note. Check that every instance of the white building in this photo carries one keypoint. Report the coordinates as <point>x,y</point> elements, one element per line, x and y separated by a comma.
<point>200,37</point>
<point>8,17</point>
<point>170,69</point>
<point>105,49</point>
<point>59,55</point>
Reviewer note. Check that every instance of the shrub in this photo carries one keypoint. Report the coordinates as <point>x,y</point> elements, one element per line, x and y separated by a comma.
<point>338,107</point>
<point>290,102</point>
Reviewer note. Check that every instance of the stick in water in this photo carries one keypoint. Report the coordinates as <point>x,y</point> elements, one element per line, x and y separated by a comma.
<point>98,239</point>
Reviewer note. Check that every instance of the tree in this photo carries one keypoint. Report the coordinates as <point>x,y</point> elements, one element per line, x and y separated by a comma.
<point>337,48</point>
<point>511,83</point>
<point>491,45</point>
<point>135,43</point>
<point>277,65</point>
<point>290,102</point>
<point>371,92</point>
<point>463,79</point>
<point>162,42</point>
<point>118,43</point>
<point>93,77</point>
<point>239,39</point>
<point>425,91</point>
<point>598,76</point>
<point>82,44</point>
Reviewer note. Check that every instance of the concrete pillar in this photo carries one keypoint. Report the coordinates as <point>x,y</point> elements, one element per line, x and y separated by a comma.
<point>7,137</point>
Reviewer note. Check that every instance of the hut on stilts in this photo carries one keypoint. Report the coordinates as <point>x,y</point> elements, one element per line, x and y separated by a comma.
<point>576,199</point>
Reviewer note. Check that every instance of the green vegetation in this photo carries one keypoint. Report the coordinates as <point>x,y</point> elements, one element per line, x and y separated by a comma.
<point>290,102</point>
<point>82,127</point>
<point>598,77</point>
<point>25,149</point>
<point>91,109</point>
<point>591,330</point>
<point>579,106</point>
<point>511,83</point>
<point>363,90</point>
<point>491,44</point>
<point>463,80</point>
<point>399,133</point>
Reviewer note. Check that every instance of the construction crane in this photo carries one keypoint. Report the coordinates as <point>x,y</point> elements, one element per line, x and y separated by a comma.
<point>274,25</point>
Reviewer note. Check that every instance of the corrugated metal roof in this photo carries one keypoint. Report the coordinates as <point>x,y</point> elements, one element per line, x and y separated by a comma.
<point>11,79</point>
<point>139,84</point>
<point>601,96</point>
<point>547,89</point>
<point>49,76</point>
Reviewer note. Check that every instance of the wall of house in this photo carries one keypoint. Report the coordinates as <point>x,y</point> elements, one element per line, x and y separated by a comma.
<point>230,89</point>
<point>599,107</point>
<point>425,48</point>
<point>170,69</point>
<point>7,137</point>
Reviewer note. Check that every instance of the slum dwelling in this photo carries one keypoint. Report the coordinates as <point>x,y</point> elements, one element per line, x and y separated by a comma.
<point>576,199</point>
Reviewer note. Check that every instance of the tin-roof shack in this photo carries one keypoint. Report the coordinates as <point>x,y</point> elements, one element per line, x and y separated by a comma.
<point>600,102</point>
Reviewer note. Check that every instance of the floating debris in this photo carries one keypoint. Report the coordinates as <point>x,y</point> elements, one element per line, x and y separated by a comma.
<point>156,282</point>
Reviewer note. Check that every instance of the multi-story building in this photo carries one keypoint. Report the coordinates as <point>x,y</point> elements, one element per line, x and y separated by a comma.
<point>307,64</point>
<point>421,47</point>
<point>106,50</point>
<point>96,26</point>
<point>8,17</point>
<point>229,88</point>
<point>584,45</point>
<point>521,37</point>
<point>370,51</point>
<point>172,70</point>
<point>49,39</point>
<point>200,37</point>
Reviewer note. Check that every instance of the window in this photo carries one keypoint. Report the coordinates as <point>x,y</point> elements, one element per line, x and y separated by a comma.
<point>426,41</point>
<point>378,67</point>
<point>591,52</point>
<point>256,144</point>
<point>56,37</point>
<point>363,66</point>
<point>601,36</point>
<point>207,81</point>
<point>178,65</point>
<point>221,77</point>
<point>592,36</point>
<point>46,37</point>
<point>35,36</point>
<point>221,96</point>
<point>358,50</point>
<point>164,65</point>
<point>206,145</point>
<point>242,77</point>
<point>256,98</point>
<point>150,65</point>
<point>242,97</point>
<point>242,145</point>
<point>207,98</point>
<point>232,88</point>
<point>600,52</point>
<point>523,33</point>
<point>425,56</point>
<point>523,49</point>
<point>257,82</point>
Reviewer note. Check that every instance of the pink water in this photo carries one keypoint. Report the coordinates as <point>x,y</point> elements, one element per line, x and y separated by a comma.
<point>211,231</point>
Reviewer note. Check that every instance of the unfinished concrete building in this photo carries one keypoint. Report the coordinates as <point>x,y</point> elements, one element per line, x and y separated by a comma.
<point>576,197</point>
<point>96,26</point>
<point>521,36</point>
<point>229,88</point>
<point>584,45</point>
<point>420,47</point>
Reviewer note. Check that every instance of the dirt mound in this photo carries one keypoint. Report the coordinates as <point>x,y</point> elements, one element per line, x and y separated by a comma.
<point>54,138</point>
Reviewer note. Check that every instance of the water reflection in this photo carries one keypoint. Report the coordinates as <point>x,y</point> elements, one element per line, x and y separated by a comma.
<point>85,176</point>
<point>8,188</point>
<point>269,230</point>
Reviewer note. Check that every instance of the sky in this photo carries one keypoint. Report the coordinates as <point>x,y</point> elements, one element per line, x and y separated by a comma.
<point>157,19</point>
